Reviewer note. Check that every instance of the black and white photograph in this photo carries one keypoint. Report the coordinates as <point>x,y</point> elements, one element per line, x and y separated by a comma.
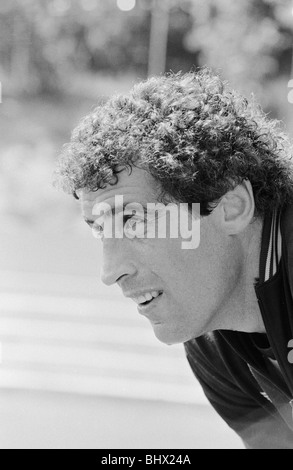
<point>146,227</point>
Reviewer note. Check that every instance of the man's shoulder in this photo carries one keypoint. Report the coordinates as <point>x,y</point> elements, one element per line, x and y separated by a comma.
<point>206,349</point>
<point>214,352</point>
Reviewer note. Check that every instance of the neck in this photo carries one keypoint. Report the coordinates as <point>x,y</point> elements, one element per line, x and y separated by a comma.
<point>241,311</point>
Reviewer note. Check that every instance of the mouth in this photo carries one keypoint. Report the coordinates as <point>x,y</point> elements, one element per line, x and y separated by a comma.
<point>144,307</point>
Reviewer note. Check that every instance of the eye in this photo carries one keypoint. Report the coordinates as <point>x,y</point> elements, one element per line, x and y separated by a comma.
<point>98,231</point>
<point>133,226</point>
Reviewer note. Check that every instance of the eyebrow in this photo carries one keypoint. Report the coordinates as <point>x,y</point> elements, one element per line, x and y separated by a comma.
<point>91,222</point>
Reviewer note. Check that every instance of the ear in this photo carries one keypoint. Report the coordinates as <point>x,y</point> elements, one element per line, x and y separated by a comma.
<point>236,208</point>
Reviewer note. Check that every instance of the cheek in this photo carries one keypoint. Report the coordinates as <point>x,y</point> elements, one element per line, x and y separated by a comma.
<point>181,271</point>
<point>168,256</point>
<point>161,253</point>
<point>200,276</point>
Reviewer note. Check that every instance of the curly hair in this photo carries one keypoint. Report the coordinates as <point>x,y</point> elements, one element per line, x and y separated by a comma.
<point>194,135</point>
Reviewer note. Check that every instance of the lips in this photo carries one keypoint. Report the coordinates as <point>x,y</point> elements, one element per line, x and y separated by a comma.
<point>146,307</point>
<point>147,297</point>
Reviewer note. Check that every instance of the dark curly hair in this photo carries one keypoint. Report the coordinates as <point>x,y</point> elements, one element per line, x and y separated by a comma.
<point>195,136</point>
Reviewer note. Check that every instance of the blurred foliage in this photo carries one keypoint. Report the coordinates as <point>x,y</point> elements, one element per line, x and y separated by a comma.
<point>45,44</point>
<point>249,41</point>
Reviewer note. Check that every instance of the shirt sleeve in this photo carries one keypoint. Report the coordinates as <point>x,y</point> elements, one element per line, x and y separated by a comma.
<point>237,400</point>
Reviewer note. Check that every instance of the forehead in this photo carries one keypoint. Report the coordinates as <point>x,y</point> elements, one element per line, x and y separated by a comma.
<point>139,186</point>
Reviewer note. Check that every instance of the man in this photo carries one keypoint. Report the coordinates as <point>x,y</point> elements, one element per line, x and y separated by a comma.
<point>184,139</point>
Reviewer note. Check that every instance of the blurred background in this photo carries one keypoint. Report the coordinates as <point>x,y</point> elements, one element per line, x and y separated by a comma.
<point>79,369</point>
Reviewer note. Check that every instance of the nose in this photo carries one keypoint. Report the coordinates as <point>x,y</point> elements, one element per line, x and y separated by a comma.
<point>118,260</point>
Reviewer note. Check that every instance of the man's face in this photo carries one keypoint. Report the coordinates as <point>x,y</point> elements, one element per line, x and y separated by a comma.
<point>193,284</point>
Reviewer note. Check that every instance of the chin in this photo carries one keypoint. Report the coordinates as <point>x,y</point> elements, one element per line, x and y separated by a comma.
<point>168,336</point>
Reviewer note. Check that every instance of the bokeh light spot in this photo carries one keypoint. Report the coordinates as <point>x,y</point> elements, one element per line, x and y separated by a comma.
<point>126,5</point>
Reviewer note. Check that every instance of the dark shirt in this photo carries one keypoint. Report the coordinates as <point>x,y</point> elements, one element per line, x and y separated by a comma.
<point>247,377</point>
